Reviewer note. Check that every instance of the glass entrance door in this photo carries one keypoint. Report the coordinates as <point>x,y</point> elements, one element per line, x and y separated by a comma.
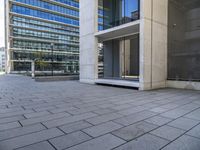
<point>129,58</point>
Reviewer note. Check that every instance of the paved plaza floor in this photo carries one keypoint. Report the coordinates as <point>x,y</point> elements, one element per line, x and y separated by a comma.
<point>75,116</point>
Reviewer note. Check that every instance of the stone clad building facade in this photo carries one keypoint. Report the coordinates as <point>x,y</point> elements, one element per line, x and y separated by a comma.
<point>139,43</point>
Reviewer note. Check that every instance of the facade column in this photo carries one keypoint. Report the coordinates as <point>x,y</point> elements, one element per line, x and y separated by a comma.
<point>88,42</point>
<point>153,44</point>
<point>9,64</point>
<point>33,69</point>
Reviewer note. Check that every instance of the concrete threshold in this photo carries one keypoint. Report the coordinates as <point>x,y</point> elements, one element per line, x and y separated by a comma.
<point>122,83</point>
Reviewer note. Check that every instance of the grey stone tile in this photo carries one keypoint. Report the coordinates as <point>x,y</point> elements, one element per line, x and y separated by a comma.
<point>105,142</point>
<point>20,131</point>
<point>132,110</point>
<point>3,107</point>
<point>36,114</point>
<point>146,142</point>
<point>101,129</point>
<point>150,105</point>
<point>184,101</point>
<point>11,119</point>
<point>184,143</point>
<point>197,101</point>
<point>43,118</point>
<point>75,126</point>
<point>194,115</point>
<point>122,106</point>
<point>27,102</point>
<point>9,110</point>
<point>38,106</point>
<point>183,123</point>
<point>158,120</point>
<point>90,103</point>
<point>66,120</point>
<point>10,125</point>
<point>134,131</point>
<point>69,140</point>
<point>159,110</point>
<point>123,101</point>
<point>195,132</point>
<point>170,106</point>
<point>143,101</point>
<point>104,111</point>
<point>58,110</point>
<point>104,118</point>
<point>29,139</point>
<point>19,92</point>
<point>108,105</point>
<point>168,132</point>
<point>44,108</point>
<point>83,110</point>
<point>11,114</point>
<point>175,113</point>
<point>162,101</point>
<point>38,146</point>
<point>190,106</point>
<point>134,118</point>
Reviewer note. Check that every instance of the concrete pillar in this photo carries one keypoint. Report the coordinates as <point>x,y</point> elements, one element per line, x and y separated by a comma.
<point>33,69</point>
<point>88,42</point>
<point>153,44</point>
<point>9,64</point>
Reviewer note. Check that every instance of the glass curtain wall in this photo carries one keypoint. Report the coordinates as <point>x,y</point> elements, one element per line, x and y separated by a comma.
<point>184,40</point>
<point>117,12</point>
<point>100,15</point>
<point>119,58</point>
<point>46,32</point>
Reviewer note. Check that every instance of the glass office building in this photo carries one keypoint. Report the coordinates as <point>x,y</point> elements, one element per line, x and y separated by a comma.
<point>44,31</point>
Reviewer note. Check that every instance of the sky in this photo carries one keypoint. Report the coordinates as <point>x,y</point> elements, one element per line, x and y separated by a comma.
<point>2,41</point>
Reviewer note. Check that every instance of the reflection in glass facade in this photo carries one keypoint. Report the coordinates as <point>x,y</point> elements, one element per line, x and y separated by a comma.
<point>116,12</point>
<point>100,15</point>
<point>184,40</point>
<point>45,31</point>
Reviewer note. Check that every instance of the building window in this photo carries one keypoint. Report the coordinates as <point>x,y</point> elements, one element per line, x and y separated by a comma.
<point>44,15</point>
<point>118,12</point>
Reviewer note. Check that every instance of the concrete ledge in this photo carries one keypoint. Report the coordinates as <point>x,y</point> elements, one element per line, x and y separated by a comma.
<point>87,81</point>
<point>124,83</point>
<point>55,78</point>
<point>119,31</point>
<point>183,85</point>
<point>2,73</point>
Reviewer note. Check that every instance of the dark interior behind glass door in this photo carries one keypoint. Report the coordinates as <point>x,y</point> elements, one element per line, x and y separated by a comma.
<point>119,58</point>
